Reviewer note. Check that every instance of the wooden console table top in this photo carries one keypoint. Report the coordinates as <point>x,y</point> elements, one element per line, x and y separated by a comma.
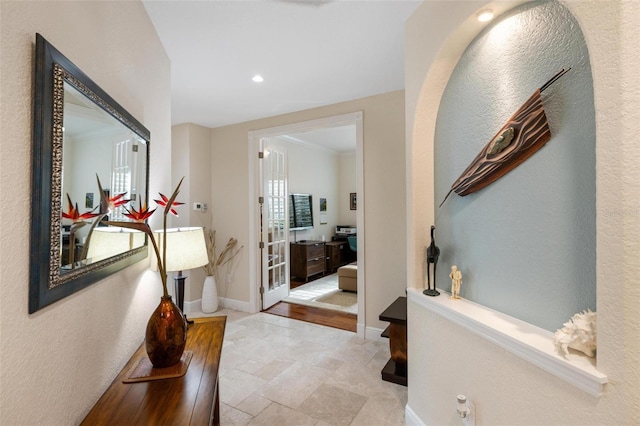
<point>396,312</point>
<point>191,399</point>
<point>335,243</point>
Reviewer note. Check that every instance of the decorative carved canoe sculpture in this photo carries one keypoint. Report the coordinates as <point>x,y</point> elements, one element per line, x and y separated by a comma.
<point>525,133</point>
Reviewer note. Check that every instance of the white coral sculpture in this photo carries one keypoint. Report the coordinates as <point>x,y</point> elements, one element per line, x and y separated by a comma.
<point>579,334</point>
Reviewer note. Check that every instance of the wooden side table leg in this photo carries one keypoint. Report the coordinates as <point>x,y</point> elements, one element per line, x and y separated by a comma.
<point>215,417</point>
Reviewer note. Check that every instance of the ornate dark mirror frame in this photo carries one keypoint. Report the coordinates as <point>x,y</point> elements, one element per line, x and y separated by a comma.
<point>47,282</point>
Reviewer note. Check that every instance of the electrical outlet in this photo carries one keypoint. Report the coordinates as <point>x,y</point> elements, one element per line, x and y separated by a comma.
<point>470,420</point>
<point>465,410</point>
<point>228,279</point>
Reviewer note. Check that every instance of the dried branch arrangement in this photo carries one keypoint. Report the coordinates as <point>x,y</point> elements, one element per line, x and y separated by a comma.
<point>230,251</point>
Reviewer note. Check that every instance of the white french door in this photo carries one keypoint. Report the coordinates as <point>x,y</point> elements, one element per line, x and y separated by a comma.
<point>127,177</point>
<point>274,224</point>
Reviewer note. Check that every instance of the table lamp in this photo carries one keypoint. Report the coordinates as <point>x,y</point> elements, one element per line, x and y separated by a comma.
<point>111,240</point>
<point>186,249</point>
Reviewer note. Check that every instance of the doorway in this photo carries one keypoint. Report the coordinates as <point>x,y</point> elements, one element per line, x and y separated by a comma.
<point>265,209</point>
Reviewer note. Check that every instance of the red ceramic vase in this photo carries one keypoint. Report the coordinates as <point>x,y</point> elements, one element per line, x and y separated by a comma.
<point>166,334</point>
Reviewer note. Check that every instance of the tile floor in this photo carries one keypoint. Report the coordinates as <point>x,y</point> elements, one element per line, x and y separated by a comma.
<point>280,371</point>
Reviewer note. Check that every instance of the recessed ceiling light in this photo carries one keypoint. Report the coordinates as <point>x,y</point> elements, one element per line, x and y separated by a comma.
<point>257,78</point>
<point>485,15</point>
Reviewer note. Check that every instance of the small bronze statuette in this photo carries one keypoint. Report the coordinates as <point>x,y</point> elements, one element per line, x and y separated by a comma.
<point>433,252</point>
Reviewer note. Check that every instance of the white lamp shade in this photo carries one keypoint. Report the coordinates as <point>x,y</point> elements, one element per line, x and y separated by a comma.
<point>110,241</point>
<point>186,249</point>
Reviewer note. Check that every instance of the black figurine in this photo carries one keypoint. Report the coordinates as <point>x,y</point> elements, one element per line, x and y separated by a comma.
<point>433,252</point>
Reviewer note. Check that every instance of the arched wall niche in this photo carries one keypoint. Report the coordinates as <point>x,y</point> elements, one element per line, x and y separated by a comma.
<point>431,77</point>
<point>526,243</point>
<point>421,182</point>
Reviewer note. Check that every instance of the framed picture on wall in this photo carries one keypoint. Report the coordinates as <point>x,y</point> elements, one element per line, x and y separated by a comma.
<point>352,201</point>
<point>88,200</point>
<point>323,211</point>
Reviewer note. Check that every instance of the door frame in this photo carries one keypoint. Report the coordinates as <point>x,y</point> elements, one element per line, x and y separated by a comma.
<point>355,118</point>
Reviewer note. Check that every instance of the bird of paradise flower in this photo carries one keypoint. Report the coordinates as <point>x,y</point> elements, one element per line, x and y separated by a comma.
<point>140,217</point>
<point>107,205</point>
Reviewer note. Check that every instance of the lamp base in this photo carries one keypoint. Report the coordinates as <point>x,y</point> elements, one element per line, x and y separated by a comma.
<point>179,288</point>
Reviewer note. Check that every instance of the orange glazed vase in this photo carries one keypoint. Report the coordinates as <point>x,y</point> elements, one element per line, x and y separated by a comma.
<point>166,334</point>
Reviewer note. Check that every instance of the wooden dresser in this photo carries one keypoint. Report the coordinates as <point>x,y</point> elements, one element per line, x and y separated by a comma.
<point>188,400</point>
<point>334,250</point>
<point>307,258</point>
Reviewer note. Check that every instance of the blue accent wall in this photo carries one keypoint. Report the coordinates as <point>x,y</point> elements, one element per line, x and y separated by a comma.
<point>526,243</point>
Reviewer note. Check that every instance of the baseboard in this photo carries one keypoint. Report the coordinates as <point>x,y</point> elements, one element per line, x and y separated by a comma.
<point>361,330</point>
<point>371,333</point>
<point>236,305</point>
<point>194,306</point>
<point>411,418</point>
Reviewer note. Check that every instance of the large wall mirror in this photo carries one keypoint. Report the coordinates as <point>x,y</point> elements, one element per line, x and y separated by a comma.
<point>86,149</point>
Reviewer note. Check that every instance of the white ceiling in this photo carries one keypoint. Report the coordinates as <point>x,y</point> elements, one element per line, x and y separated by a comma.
<point>310,53</point>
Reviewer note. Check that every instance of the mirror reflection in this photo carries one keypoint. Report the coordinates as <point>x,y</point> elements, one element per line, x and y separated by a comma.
<point>90,160</point>
<point>96,145</point>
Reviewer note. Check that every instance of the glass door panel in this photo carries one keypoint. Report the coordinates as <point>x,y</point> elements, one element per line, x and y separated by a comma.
<point>274,225</point>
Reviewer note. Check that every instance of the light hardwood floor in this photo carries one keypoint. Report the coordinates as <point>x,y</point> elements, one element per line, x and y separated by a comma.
<point>335,319</point>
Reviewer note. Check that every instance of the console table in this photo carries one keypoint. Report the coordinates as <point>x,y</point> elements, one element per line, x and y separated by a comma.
<point>188,400</point>
<point>395,370</point>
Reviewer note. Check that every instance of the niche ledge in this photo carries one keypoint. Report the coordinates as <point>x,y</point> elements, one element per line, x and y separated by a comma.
<point>522,339</point>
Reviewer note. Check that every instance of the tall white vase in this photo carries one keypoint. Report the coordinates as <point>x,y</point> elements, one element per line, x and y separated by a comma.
<point>209,295</point>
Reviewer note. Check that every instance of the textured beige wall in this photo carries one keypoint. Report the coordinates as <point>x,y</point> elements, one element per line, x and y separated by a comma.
<point>445,359</point>
<point>348,180</point>
<point>180,164</point>
<point>57,362</point>
<point>313,170</point>
<point>191,154</point>
<point>383,185</point>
